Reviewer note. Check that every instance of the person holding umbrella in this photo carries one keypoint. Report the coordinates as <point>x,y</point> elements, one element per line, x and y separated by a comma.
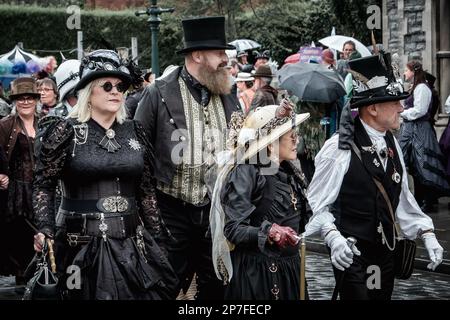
<point>243,64</point>
<point>318,90</point>
<point>360,188</point>
<point>259,207</point>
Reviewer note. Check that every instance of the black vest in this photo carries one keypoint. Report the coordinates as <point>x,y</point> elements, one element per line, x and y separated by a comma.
<point>360,206</point>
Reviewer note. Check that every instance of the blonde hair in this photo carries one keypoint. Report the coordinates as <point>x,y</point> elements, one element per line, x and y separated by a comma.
<point>82,111</point>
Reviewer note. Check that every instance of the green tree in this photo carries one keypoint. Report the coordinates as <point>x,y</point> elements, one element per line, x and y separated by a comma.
<point>284,26</point>
<point>352,18</point>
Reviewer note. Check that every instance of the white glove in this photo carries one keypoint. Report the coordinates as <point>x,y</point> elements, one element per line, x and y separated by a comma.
<point>434,249</point>
<point>341,253</point>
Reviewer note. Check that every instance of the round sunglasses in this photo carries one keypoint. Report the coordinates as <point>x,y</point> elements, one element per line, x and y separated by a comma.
<point>121,86</point>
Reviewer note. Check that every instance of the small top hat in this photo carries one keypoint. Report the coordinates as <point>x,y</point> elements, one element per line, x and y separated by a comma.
<point>374,81</point>
<point>102,63</point>
<point>23,86</point>
<point>263,71</point>
<point>207,33</point>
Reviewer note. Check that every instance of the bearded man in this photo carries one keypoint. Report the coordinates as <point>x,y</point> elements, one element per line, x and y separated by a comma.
<point>185,114</point>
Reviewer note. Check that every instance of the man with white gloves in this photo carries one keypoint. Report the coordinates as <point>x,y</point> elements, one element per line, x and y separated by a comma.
<point>357,172</point>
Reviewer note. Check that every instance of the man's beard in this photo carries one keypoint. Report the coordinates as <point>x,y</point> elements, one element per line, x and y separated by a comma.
<point>217,81</point>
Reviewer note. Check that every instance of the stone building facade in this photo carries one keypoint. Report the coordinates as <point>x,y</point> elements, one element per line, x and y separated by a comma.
<point>420,29</point>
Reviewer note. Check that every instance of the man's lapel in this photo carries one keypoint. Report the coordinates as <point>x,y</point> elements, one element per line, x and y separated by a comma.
<point>230,105</point>
<point>171,97</point>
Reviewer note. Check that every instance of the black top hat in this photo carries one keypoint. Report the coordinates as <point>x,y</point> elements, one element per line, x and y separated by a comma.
<point>102,63</point>
<point>207,33</point>
<point>374,81</point>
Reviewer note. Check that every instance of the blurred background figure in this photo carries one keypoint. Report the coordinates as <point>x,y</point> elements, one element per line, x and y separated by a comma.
<point>67,76</point>
<point>4,181</point>
<point>5,107</point>
<point>444,142</point>
<point>261,58</point>
<point>348,49</point>
<point>244,65</point>
<point>138,83</point>
<point>149,77</point>
<point>49,95</point>
<point>328,59</point>
<point>265,94</point>
<point>246,91</point>
<point>417,138</point>
<point>233,69</point>
<point>17,133</point>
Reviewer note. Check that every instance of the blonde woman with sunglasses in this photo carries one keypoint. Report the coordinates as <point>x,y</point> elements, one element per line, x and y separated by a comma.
<point>108,224</point>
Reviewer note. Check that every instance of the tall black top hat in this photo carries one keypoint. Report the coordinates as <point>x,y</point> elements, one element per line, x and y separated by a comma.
<point>207,33</point>
<point>374,81</point>
<point>102,63</point>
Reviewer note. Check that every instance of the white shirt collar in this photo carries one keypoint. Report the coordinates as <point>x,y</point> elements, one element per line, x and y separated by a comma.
<point>373,133</point>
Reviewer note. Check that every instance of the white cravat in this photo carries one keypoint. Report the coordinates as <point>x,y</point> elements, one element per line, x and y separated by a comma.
<point>377,138</point>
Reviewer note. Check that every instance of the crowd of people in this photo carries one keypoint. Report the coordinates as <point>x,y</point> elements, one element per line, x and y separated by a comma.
<point>211,171</point>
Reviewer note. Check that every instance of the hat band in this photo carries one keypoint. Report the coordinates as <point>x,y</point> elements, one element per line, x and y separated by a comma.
<point>394,89</point>
<point>206,43</point>
<point>73,76</point>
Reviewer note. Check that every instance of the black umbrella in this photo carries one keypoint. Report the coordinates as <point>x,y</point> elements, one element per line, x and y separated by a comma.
<point>311,82</point>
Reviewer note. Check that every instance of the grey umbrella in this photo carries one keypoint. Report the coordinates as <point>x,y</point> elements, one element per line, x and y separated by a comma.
<point>311,82</point>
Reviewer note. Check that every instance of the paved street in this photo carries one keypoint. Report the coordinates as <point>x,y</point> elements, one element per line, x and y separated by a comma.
<point>422,285</point>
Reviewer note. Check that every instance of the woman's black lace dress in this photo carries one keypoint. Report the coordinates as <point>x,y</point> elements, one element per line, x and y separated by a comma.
<point>108,220</point>
<point>252,202</point>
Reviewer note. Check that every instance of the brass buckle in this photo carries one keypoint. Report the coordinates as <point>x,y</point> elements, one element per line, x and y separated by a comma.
<point>115,204</point>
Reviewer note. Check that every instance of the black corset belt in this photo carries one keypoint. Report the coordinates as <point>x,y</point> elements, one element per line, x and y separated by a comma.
<point>114,217</point>
<point>111,204</point>
<point>81,227</point>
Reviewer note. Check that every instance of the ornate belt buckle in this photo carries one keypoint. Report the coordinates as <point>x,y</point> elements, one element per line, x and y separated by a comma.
<point>72,239</point>
<point>115,204</point>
